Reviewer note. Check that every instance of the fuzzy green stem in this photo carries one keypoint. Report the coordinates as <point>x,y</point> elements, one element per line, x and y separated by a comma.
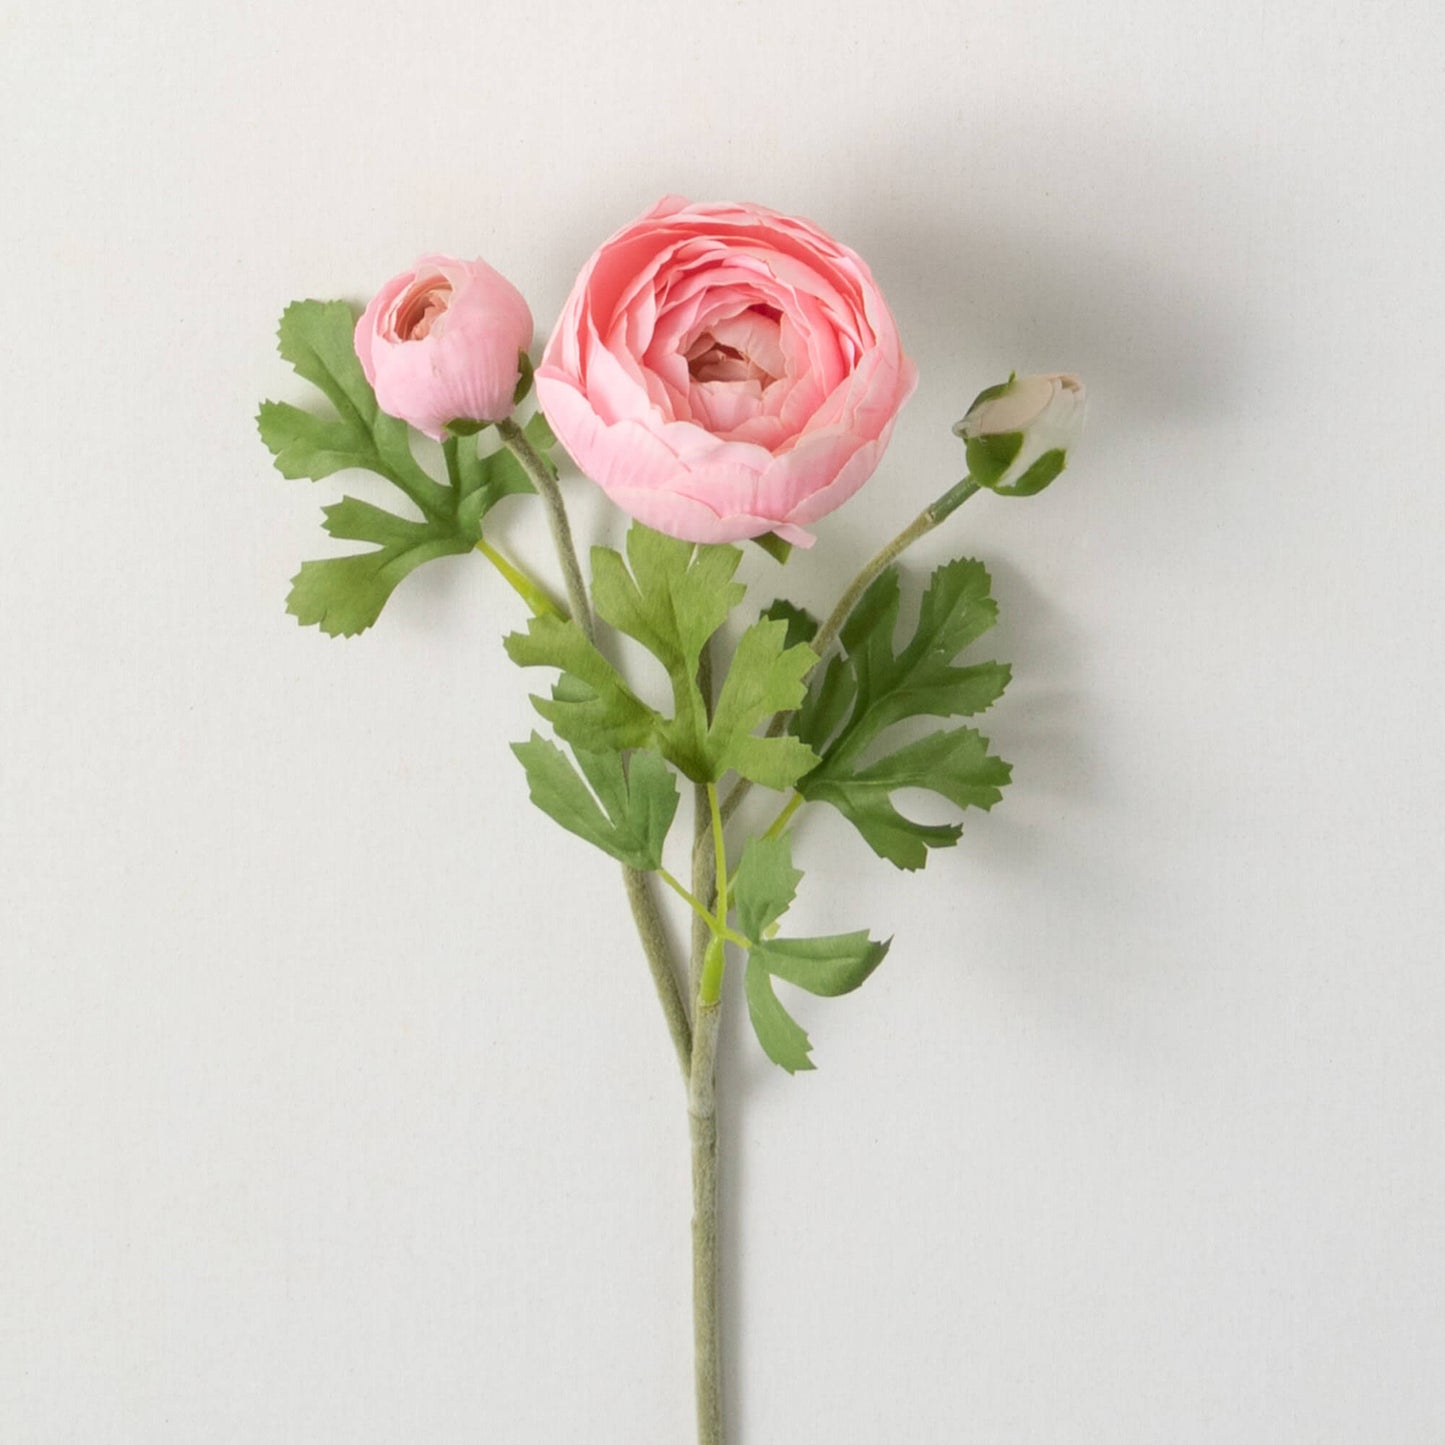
<point>702,1122</point>
<point>703,884</point>
<point>540,475</point>
<point>659,959</point>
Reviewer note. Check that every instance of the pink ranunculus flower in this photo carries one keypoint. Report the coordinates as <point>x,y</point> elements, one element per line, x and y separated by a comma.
<point>723,371</point>
<point>442,342</point>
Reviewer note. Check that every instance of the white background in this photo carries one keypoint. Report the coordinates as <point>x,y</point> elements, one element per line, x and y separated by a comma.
<point>334,1102</point>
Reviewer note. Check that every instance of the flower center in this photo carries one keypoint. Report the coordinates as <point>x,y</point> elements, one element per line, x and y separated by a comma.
<point>738,348</point>
<point>420,309</point>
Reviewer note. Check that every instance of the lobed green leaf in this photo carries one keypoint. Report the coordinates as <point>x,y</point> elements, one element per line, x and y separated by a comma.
<point>316,337</point>
<point>783,1040</point>
<point>595,709</point>
<point>633,806</point>
<point>344,595</point>
<point>872,687</point>
<point>764,677</point>
<point>765,885</point>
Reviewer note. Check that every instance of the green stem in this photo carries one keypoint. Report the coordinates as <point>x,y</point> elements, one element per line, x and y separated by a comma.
<point>934,513</point>
<point>540,475</point>
<point>703,876</point>
<point>699,909</point>
<point>659,959</point>
<point>710,985</point>
<point>779,824</point>
<point>702,1127</point>
<point>524,586</point>
<point>644,906</point>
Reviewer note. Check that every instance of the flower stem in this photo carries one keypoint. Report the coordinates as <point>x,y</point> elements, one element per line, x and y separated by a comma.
<point>935,512</point>
<point>703,875</point>
<point>779,825</point>
<point>659,959</point>
<point>702,1122</point>
<point>524,586</point>
<point>540,475</point>
<point>645,912</point>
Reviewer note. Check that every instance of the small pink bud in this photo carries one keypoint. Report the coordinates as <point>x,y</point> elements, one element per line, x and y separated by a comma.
<point>443,343</point>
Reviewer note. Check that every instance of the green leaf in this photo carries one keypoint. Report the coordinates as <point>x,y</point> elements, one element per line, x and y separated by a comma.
<point>989,457</point>
<point>1036,477</point>
<point>345,595</point>
<point>764,677</point>
<point>482,482</point>
<point>783,1041</point>
<point>637,801</point>
<point>828,701</point>
<point>765,885</point>
<point>595,710</point>
<point>802,625</point>
<point>673,600</point>
<point>871,688</point>
<point>775,547</point>
<point>828,966</point>
<point>316,337</point>
<point>955,764</point>
<point>525,372</point>
<point>539,433</point>
<point>672,596</point>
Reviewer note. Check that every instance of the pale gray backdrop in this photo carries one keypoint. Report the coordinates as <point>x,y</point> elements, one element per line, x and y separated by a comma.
<point>334,1102</point>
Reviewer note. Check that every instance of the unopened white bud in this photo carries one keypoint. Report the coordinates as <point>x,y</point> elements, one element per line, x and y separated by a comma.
<point>1018,434</point>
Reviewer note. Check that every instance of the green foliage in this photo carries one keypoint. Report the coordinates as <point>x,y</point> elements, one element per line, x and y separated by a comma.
<point>827,967</point>
<point>775,547</point>
<point>764,887</point>
<point>765,884</point>
<point>344,595</point>
<point>483,481</point>
<point>955,764</point>
<point>989,457</point>
<point>631,811</point>
<point>1037,476</point>
<point>764,677</point>
<point>802,625</point>
<point>871,688</point>
<point>672,601</point>
<point>316,337</point>
<point>592,707</point>
<point>672,597</point>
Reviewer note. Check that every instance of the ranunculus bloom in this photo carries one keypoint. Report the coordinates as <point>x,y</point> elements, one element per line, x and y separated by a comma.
<point>441,343</point>
<point>724,371</point>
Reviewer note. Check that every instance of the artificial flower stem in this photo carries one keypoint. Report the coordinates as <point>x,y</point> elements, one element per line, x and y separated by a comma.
<point>822,643</point>
<point>658,951</point>
<point>529,591</point>
<point>703,878</point>
<point>720,863</point>
<point>699,909</point>
<point>645,913</point>
<point>540,475</point>
<point>702,1127</point>
<point>702,1121</point>
<point>779,824</point>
